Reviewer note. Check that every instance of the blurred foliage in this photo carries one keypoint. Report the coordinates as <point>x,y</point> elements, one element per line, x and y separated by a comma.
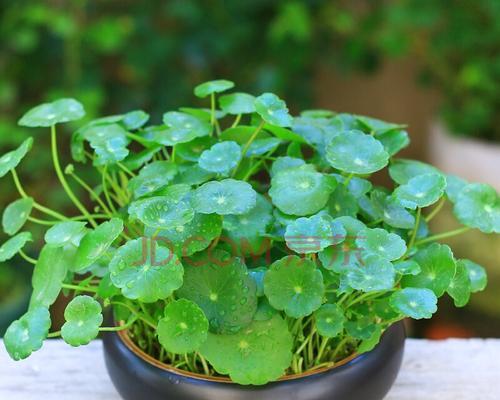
<point>458,42</point>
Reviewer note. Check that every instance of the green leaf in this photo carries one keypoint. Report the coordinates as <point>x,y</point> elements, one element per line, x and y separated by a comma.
<point>245,356</point>
<point>402,170</point>
<point>313,234</point>
<point>191,151</point>
<point>285,134</point>
<point>375,274</point>
<point>460,286</point>
<point>262,146</point>
<point>273,110</point>
<point>301,190</point>
<point>382,243</point>
<point>454,186</point>
<point>10,160</point>
<point>48,275</point>
<point>16,214</point>
<point>416,303</point>
<point>182,128</point>
<point>83,317</point>
<point>361,328</point>
<point>220,284</point>
<point>477,275</point>
<point>478,206</point>
<point>217,86</point>
<point>96,242</point>
<point>228,196</point>
<point>370,343</point>
<point>294,285</point>
<point>65,232</point>
<point>26,335</point>
<point>437,269</point>
<point>285,163</point>
<point>109,143</point>
<point>407,267</point>
<point>145,270</point>
<point>329,320</point>
<point>342,203</point>
<point>12,246</point>
<point>221,158</point>
<point>258,275</point>
<point>241,134</point>
<point>152,177</point>
<point>237,103</point>
<point>393,140</point>
<point>254,222</point>
<point>48,114</point>
<point>421,191</point>
<point>191,237</point>
<point>135,119</point>
<point>193,175</point>
<point>162,212</point>
<point>184,328</point>
<point>355,152</point>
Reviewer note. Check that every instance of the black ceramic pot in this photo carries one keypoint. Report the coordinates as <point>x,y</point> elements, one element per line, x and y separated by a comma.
<point>366,377</point>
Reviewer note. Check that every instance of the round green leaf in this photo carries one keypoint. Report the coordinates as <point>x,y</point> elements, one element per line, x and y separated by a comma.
<point>329,320</point>
<point>477,275</point>
<point>294,285</point>
<point>191,151</point>
<point>362,328</point>
<point>416,303</point>
<point>258,354</point>
<point>220,284</point>
<point>207,88</point>
<point>478,206</point>
<point>109,143</point>
<point>262,146</point>
<point>285,163</point>
<point>83,317</point>
<point>407,267</point>
<point>342,203</point>
<point>182,128</point>
<point>228,196</point>
<point>221,158</point>
<point>65,232</point>
<point>375,274</point>
<point>162,212</point>
<point>421,191</point>
<point>356,152</point>
<point>460,286</point>
<point>301,191</point>
<point>135,119</point>
<point>12,246</point>
<point>378,241</point>
<point>184,328</point>
<point>96,242</point>
<point>48,275</point>
<point>191,237</point>
<point>254,222</point>
<point>402,170</point>
<point>454,186</point>
<point>16,214</point>
<point>313,234</point>
<point>48,114</point>
<point>437,269</point>
<point>152,177</point>
<point>273,110</point>
<point>237,103</point>
<point>26,335</point>
<point>145,270</point>
<point>193,175</point>
<point>10,160</point>
<point>393,140</point>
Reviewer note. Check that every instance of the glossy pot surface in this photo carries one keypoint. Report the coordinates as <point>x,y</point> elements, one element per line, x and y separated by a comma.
<point>369,376</point>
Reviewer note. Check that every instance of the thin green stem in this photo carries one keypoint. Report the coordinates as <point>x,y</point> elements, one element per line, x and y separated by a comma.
<point>321,350</point>
<point>212,110</point>
<point>444,235</point>
<point>62,179</point>
<point>106,192</point>
<point>125,169</point>
<point>236,121</point>
<point>93,194</point>
<point>139,139</point>
<point>42,221</point>
<point>135,312</point>
<point>247,145</point>
<point>414,233</point>
<point>339,348</point>
<point>27,258</point>
<point>436,209</point>
<point>37,206</point>
<point>348,179</point>
<point>79,288</point>
<point>54,335</point>
<point>119,328</point>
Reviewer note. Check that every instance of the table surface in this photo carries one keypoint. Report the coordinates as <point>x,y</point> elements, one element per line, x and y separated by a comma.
<point>451,369</point>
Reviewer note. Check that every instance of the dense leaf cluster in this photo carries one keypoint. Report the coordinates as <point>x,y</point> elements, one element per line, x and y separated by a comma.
<point>240,240</point>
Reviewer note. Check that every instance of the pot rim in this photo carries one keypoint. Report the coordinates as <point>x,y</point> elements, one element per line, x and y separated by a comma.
<point>127,341</point>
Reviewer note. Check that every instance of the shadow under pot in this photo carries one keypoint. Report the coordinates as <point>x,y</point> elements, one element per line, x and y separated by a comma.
<point>369,376</point>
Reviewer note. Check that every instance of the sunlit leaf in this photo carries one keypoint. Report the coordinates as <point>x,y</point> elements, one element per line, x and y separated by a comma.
<point>375,274</point>
<point>181,128</point>
<point>48,114</point>
<point>416,303</point>
<point>221,158</point>
<point>65,232</point>
<point>152,177</point>
<point>83,316</point>
<point>382,243</point>
<point>237,103</point>
<point>477,275</point>
<point>207,88</point>
<point>273,110</point>
<point>421,191</point>
<point>402,170</point>
<point>460,287</point>
<point>10,160</point>
<point>12,246</point>
<point>16,214</point>
<point>109,143</point>
<point>329,320</point>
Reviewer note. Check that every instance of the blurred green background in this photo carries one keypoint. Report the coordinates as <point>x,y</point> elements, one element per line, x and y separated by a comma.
<point>408,61</point>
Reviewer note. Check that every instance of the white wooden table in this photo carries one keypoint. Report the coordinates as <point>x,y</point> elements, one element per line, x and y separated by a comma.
<point>454,369</point>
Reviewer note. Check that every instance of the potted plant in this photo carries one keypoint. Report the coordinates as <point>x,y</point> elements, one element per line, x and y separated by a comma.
<point>241,251</point>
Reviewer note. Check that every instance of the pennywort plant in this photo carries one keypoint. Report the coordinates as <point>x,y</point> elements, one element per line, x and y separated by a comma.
<point>239,240</point>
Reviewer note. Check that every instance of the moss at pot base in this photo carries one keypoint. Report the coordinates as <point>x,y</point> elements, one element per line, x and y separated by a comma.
<point>367,377</point>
